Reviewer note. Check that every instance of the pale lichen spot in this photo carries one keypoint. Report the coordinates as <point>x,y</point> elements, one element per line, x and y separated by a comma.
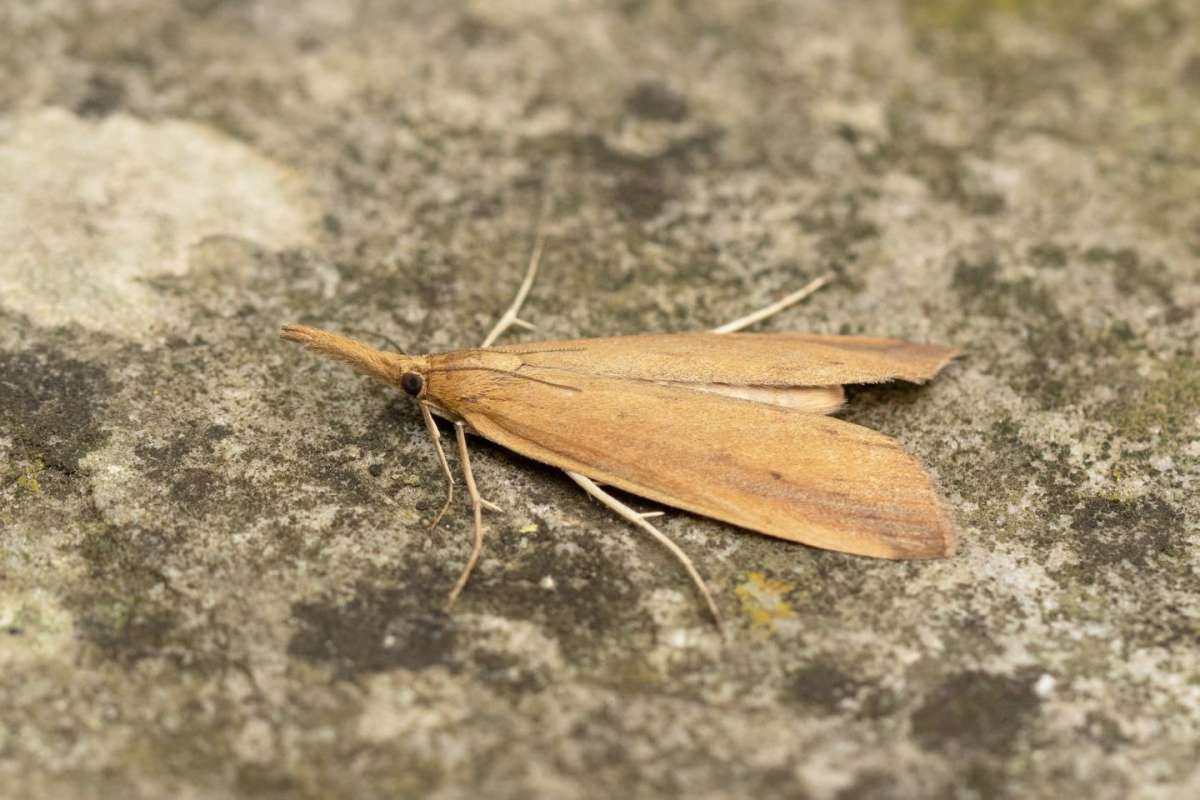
<point>34,627</point>
<point>764,601</point>
<point>94,212</point>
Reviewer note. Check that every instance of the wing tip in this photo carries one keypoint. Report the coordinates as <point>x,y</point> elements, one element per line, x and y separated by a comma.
<point>942,544</point>
<point>949,543</point>
<point>938,539</point>
<point>900,360</point>
<point>930,359</point>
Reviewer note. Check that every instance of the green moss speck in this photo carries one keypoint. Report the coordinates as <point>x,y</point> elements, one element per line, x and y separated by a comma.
<point>972,16</point>
<point>27,617</point>
<point>961,16</point>
<point>107,621</point>
<point>1168,405</point>
<point>28,479</point>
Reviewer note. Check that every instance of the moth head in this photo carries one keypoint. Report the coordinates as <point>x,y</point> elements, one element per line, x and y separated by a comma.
<point>394,369</point>
<point>412,382</point>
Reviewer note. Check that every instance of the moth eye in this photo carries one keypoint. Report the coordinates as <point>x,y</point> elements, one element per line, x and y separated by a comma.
<point>412,383</point>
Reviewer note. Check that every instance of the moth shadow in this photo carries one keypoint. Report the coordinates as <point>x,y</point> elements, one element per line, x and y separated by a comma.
<point>875,401</point>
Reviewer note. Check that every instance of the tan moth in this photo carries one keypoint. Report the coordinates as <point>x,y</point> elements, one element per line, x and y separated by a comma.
<point>733,426</point>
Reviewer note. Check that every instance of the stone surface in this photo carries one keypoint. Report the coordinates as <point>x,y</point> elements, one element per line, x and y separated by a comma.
<point>215,577</point>
<point>105,210</point>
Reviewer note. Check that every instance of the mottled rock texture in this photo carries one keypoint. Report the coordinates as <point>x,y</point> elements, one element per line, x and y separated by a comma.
<point>215,576</point>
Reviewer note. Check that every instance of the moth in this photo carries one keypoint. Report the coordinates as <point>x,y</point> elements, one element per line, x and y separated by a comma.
<point>733,426</point>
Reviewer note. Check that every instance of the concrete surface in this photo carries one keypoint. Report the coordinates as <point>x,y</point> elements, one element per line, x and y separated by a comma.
<point>215,580</point>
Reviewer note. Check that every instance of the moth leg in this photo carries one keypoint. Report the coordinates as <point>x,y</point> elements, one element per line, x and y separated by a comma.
<point>431,426</point>
<point>509,317</point>
<point>477,504</point>
<point>628,513</point>
<point>776,307</point>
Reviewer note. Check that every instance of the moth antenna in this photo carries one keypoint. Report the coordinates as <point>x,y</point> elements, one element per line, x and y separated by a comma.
<point>397,348</point>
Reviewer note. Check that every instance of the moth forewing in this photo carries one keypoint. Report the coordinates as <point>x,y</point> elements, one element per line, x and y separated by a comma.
<point>741,359</point>
<point>787,473</point>
<point>467,378</point>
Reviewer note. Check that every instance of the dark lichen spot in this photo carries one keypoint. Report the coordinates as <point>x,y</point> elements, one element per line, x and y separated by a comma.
<point>975,711</point>
<point>984,290</point>
<point>838,223</point>
<point>127,608</point>
<point>376,630</point>
<point>780,781</point>
<point>204,8</point>
<point>161,461</point>
<point>983,204</point>
<point>1047,255</point>
<point>506,672</point>
<point>654,101</point>
<point>593,594</point>
<point>1131,276</point>
<point>104,96</point>
<point>642,193</point>
<point>331,224</point>
<point>971,277</point>
<point>194,487</point>
<point>640,185</point>
<point>878,702</point>
<point>125,630</point>
<point>1136,532</point>
<point>942,168</point>
<point>49,403</point>
<point>821,685</point>
<point>1003,466</point>
<point>126,557</point>
<point>1105,731</point>
<point>216,433</point>
<point>870,785</point>
<point>266,781</point>
<point>1190,74</point>
<point>475,31</point>
<point>1123,257</point>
